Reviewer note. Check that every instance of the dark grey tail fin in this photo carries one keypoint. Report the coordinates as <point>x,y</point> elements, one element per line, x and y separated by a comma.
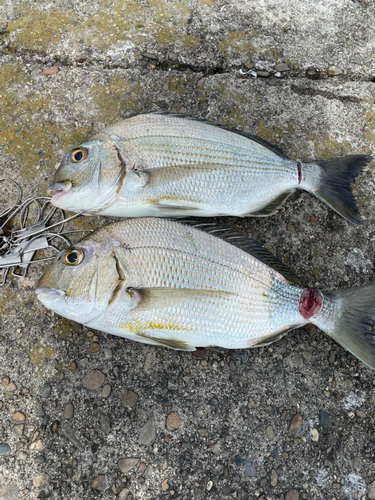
<point>331,183</point>
<point>348,316</point>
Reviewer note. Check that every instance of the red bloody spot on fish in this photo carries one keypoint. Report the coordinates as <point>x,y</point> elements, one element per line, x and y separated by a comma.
<point>299,167</point>
<point>133,167</point>
<point>199,352</point>
<point>310,303</point>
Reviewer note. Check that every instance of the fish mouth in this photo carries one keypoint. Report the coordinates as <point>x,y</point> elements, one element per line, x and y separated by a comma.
<point>57,189</point>
<point>47,291</point>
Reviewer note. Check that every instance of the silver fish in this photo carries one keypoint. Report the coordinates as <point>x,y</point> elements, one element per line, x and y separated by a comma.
<point>165,283</point>
<point>165,165</point>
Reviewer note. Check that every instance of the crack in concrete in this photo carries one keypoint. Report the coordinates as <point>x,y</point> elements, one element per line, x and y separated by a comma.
<point>323,93</point>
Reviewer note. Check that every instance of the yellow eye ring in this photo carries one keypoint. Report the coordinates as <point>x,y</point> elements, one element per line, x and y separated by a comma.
<point>79,155</point>
<point>73,257</point>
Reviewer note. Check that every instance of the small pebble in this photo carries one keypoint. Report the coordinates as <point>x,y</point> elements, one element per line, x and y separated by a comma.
<point>94,347</point>
<point>39,459</point>
<point>269,432</point>
<point>292,495</point>
<point>129,399</point>
<point>40,480</point>
<point>51,71</point>
<point>72,366</point>
<point>106,391</point>
<point>99,483</point>
<point>281,67</point>
<point>165,485</point>
<point>238,460</point>
<point>5,449</point>
<point>11,387</point>
<point>274,478</point>
<point>203,432</point>
<point>19,416</point>
<point>324,419</point>
<point>126,464</point>
<point>150,356</point>
<point>123,495</point>
<point>108,353</point>
<point>314,434</point>
<point>147,433</point>
<point>252,404</point>
<point>250,469</point>
<point>93,380</point>
<point>332,71</point>
<point>46,391</point>
<point>295,424</point>
<point>68,410</point>
<point>263,74</point>
<point>173,421</point>
<point>18,429</point>
<point>105,422</point>
<point>199,352</point>
<point>5,381</point>
<point>37,445</point>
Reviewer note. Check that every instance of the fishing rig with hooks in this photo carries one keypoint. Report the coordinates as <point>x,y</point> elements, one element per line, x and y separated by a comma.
<point>18,245</point>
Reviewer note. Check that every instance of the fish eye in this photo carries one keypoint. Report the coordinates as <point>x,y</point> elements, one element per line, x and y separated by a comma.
<point>73,257</point>
<point>79,155</point>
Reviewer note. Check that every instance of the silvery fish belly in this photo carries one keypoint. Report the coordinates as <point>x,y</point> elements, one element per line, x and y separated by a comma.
<point>168,165</point>
<point>162,282</point>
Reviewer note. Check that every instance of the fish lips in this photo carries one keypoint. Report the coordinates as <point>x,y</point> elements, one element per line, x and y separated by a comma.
<point>50,297</point>
<point>57,189</point>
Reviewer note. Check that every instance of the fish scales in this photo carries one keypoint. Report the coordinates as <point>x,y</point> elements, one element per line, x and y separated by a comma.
<point>248,299</point>
<point>172,166</point>
<point>160,282</point>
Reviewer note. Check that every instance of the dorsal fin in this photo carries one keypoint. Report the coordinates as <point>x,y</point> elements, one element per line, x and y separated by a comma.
<point>249,245</point>
<point>259,140</point>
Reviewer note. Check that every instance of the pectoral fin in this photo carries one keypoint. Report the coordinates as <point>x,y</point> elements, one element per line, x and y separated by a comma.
<point>273,205</point>
<point>160,297</point>
<point>172,343</point>
<point>161,176</point>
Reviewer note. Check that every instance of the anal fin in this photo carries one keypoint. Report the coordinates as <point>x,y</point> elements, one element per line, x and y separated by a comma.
<point>269,339</point>
<point>273,206</point>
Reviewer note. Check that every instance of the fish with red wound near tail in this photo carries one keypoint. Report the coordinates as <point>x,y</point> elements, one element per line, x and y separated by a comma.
<point>167,165</point>
<point>165,283</point>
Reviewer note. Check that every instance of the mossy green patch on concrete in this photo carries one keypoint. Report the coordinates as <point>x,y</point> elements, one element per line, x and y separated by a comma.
<point>270,133</point>
<point>64,327</point>
<point>326,147</point>
<point>178,12</point>
<point>115,22</point>
<point>36,29</point>
<point>369,117</point>
<point>238,43</point>
<point>39,353</point>
<point>121,96</point>
<point>178,85</point>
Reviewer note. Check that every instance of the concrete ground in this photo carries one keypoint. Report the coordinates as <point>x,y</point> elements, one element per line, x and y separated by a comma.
<point>86,415</point>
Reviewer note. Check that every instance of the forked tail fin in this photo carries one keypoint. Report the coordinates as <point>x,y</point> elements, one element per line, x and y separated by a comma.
<point>329,180</point>
<point>348,316</point>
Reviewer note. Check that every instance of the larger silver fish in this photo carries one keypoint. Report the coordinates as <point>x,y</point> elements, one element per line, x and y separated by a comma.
<point>165,283</point>
<point>168,165</point>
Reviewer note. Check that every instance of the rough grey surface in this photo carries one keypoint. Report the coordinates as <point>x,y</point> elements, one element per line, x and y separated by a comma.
<point>292,420</point>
